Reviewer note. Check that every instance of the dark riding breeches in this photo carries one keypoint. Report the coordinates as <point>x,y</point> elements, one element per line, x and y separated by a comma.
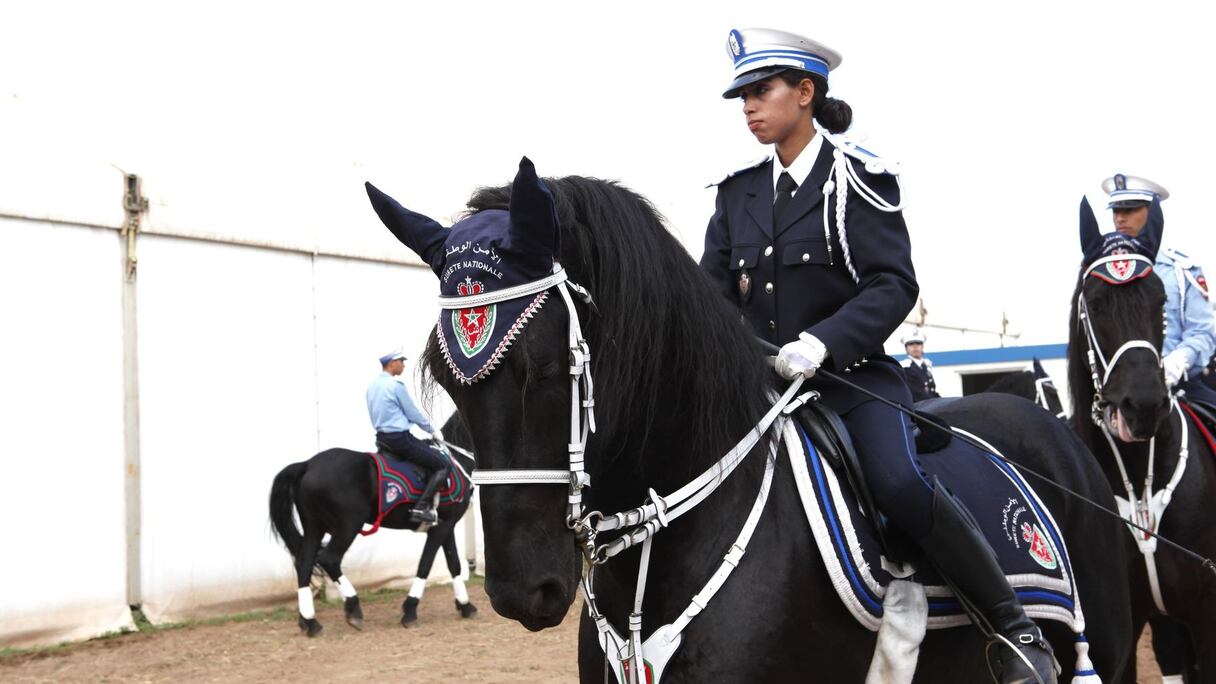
<point>1196,390</point>
<point>409,448</point>
<point>887,450</point>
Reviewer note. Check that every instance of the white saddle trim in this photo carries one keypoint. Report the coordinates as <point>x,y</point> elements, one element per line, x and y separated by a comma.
<point>839,576</point>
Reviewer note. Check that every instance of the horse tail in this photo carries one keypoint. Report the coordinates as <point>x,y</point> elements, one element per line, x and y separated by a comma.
<point>282,506</point>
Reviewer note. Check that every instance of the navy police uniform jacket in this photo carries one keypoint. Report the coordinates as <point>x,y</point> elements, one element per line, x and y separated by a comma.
<point>919,377</point>
<point>792,277</point>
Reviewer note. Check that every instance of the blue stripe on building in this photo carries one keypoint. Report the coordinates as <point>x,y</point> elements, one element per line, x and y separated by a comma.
<point>962,357</point>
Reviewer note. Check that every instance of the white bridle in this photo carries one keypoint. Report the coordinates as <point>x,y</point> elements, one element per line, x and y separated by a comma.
<point>1097,361</point>
<point>638,525</point>
<point>582,410</point>
<point>1147,509</point>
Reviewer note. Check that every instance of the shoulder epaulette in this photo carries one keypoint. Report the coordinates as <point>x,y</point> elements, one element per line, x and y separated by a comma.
<point>873,163</point>
<point>1178,259</point>
<point>754,164</point>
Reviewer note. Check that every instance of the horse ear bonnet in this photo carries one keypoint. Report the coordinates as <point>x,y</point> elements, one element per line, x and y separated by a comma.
<point>421,234</point>
<point>1095,246</point>
<point>488,252</point>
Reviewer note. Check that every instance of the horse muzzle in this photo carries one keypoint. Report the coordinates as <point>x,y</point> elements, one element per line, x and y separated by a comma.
<point>1127,429</point>
<point>539,604</point>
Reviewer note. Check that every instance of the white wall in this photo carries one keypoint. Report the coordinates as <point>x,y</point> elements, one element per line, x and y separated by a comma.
<point>251,360</point>
<point>227,398</point>
<point>61,434</point>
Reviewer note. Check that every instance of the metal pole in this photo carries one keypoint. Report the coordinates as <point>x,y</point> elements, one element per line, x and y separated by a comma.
<point>134,204</point>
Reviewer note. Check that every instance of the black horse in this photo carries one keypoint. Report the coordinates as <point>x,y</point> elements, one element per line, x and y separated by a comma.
<point>336,492</point>
<point>1134,407</point>
<point>1034,385</point>
<point>679,380</point>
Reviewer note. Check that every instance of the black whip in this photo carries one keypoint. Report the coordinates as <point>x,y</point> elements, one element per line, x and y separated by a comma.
<point>1202,560</point>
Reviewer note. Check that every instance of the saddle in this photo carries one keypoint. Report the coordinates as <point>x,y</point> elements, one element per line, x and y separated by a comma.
<point>827,432</point>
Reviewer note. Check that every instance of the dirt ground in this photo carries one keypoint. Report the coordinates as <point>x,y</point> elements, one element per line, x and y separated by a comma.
<point>269,648</point>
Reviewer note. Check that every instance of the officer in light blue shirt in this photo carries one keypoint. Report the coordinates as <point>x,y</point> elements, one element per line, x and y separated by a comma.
<point>1190,327</point>
<point>393,413</point>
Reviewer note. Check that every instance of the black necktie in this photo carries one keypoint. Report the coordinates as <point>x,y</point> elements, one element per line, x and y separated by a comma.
<point>785,190</point>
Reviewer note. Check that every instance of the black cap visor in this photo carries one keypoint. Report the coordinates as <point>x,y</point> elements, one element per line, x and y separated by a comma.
<point>750,78</point>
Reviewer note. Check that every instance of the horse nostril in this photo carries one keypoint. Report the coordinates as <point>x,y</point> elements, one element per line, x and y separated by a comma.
<point>548,597</point>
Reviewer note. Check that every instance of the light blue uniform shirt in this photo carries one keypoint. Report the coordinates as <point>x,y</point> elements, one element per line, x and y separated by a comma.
<point>391,408</point>
<point>1189,323</point>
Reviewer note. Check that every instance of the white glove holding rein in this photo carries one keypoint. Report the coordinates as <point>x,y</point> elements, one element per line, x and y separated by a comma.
<point>802,357</point>
<point>1175,365</point>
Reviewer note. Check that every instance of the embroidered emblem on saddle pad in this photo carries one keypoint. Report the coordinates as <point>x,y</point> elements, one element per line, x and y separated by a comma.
<point>400,482</point>
<point>1018,527</point>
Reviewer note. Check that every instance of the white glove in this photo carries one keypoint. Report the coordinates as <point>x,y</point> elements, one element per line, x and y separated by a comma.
<point>802,357</point>
<point>437,435</point>
<point>1175,365</point>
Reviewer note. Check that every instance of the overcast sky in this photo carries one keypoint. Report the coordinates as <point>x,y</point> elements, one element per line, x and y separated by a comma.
<point>261,120</point>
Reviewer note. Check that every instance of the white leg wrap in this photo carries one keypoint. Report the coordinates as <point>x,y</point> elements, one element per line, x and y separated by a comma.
<point>418,588</point>
<point>462,593</point>
<point>905,616</point>
<point>345,588</point>
<point>306,608</point>
<point>1172,679</point>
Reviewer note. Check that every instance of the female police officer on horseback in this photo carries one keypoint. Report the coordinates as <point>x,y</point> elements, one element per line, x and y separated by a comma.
<point>812,247</point>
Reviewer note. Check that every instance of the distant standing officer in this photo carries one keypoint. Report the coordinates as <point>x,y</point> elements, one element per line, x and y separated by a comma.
<point>918,371</point>
<point>393,413</point>
<point>1190,328</point>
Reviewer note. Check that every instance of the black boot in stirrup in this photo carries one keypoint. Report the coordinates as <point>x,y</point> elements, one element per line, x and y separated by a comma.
<point>960,553</point>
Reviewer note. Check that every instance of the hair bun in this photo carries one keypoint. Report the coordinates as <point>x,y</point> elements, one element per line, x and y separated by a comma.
<point>834,115</point>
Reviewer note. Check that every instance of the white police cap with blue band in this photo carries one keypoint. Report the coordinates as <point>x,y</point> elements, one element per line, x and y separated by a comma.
<point>759,53</point>
<point>1129,192</point>
<point>393,356</point>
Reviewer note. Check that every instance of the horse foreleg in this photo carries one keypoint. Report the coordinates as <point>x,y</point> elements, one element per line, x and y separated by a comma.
<point>331,560</point>
<point>1172,647</point>
<point>305,561</point>
<point>592,666</point>
<point>409,608</point>
<point>452,553</point>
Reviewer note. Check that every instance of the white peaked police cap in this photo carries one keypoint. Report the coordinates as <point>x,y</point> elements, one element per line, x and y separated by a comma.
<point>1129,192</point>
<point>759,53</point>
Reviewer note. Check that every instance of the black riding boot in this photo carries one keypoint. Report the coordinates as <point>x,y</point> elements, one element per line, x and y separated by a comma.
<point>960,553</point>
<point>424,509</point>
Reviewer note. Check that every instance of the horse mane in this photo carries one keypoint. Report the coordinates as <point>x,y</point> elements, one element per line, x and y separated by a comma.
<point>1123,307</point>
<point>664,342</point>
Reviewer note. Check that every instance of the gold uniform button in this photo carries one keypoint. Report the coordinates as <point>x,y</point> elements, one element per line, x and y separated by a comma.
<point>768,288</point>
<point>806,258</point>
